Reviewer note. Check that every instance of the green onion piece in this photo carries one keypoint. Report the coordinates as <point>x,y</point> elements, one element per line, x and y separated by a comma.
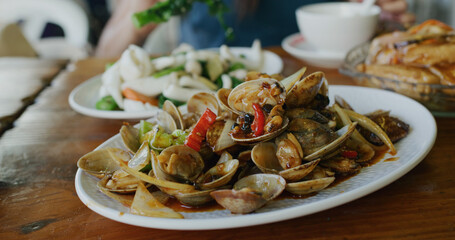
<point>235,66</point>
<point>107,103</point>
<point>168,71</point>
<point>162,99</point>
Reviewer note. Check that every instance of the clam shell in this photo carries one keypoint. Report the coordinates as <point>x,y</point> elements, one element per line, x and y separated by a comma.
<point>264,156</point>
<point>304,91</point>
<point>141,158</point>
<point>131,182</point>
<point>175,113</point>
<point>218,135</point>
<point>219,175</point>
<point>181,162</point>
<point>343,134</point>
<point>130,137</point>
<point>100,162</point>
<point>166,121</point>
<point>199,102</point>
<point>262,91</point>
<point>290,81</point>
<point>309,186</point>
<point>250,193</point>
<point>265,137</point>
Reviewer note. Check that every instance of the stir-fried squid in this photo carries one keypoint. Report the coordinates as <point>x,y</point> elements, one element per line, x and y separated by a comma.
<point>242,148</point>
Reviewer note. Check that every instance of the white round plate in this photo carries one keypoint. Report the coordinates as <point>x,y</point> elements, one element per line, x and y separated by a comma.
<point>84,97</point>
<point>411,150</point>
<point>296,45</point>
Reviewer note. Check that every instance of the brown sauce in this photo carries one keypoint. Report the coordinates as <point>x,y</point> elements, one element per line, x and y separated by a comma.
<point>392,159</point>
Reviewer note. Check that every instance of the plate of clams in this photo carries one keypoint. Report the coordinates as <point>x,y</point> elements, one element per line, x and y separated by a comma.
<point>265,151</point>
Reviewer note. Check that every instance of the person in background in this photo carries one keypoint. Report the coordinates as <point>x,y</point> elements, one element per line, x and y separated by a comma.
<point>268,20</point>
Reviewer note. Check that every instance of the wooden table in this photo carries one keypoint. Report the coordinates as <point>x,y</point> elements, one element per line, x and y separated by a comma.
<point>38,199</point>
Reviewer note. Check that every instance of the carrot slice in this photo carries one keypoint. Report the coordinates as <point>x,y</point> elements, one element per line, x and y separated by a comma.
<point>137,96</point>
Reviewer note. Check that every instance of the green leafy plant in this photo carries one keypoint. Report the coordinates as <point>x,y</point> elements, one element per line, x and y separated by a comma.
<point>163,11</point>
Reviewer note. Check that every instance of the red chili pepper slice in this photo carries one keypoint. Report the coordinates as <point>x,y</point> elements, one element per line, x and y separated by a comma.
<point>197,135</point>
<point>349,154</point>
<point>259,121</point>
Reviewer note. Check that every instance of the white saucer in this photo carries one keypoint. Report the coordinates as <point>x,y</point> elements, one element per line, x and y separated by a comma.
<point>296,45</point>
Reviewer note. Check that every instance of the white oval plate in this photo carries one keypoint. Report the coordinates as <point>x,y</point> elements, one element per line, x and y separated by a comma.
<point>411,150</point>
<point>84,97</point>
<point>296,45</point>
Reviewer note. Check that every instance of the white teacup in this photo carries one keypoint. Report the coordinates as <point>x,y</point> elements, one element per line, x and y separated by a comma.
<point>337,27</point>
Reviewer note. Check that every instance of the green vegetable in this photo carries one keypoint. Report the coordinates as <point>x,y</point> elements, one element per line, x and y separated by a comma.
<point>163,11</point>
<point>235,66</point>
<point>242,56</point>
<point>147,168</point>
<point>167,71</point>
<point>214,68</point>
<point>144,128</point>
<point>108,65</point>
<point>236,82</point>
<point>107,103</point>
<point>179,137</point>
<point>162,99</point>
<point>219,82</point>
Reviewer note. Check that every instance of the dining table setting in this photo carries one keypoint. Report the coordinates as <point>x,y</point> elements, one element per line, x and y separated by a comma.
<point>307,139</point>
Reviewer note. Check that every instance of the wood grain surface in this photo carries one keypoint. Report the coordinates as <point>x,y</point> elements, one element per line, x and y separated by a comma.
<point>38,198</point>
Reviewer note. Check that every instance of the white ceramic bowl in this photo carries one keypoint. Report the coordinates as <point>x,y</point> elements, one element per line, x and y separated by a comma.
<point>337,27</point>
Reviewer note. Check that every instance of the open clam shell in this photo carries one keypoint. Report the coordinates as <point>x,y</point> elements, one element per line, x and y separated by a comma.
<point>222,96</point>
<point>265,137</point>
<point>264,156</point>
<point>141,158</point>
<point>181,162</point>
<point>100,162</point>
<point>289,81</point>
<point>190,198</point>
<point>166,121</point>
<point>309,186</point>
<point>218,135</point>
<point>130,137</point>
<point>119,182</point>
<point>343,134</point>
<point>218,175</point>
<point>250,193</point>
<point>262,91</point>
<point>304,91</point>
<point>199,102</point>
<point>175,113</point>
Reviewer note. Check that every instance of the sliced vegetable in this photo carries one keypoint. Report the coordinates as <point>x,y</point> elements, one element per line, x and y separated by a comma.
<point>235,66</point>
<point>214,68</point>
<point>162,99</point>
<point>197,135</point>
<point>167,71</point>
<point>137,96</point>
<point>259,120</point>
<point>107,103</point>
<point>236,82</point>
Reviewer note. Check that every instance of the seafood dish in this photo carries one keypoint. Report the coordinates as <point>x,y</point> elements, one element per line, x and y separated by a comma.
<point>242,147</point>
<point>418,63</point>
<point>137,82</point>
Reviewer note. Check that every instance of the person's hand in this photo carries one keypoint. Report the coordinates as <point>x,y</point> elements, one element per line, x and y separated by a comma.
<point>394,10</point>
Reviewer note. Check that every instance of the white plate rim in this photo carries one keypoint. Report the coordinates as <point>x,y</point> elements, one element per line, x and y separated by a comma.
<point>96,81</point>
<point>288,47</point>
<point>235,221</point>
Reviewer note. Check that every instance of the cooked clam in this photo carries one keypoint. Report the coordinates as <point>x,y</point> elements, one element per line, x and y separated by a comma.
<point>264,155</point>
<point>304,91</point>
<point>175,113</point>
<point>264,91</point>
<point>250,193</point>
<point>199,102</point>
<point>100,162</point>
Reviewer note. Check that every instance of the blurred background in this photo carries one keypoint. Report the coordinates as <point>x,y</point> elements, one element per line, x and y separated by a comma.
<point>164,39</point>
